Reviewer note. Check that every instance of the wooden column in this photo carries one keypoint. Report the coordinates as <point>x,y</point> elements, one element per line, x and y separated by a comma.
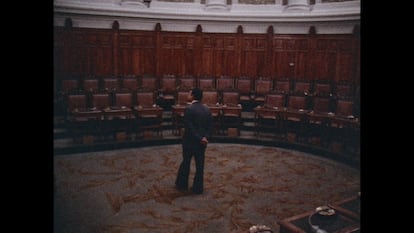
<point>158,45</point>
<point>115,48</point>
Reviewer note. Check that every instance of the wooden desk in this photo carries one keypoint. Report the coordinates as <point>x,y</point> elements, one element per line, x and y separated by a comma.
<point>345,220</point>
<point>118,113</point>
<point>87,114</point>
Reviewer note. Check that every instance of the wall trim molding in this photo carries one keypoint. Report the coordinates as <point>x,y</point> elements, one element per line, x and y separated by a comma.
<point>327,18</point>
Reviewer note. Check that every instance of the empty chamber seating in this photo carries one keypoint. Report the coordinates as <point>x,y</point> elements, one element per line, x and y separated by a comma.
<point>269,117</point>
<point>148,114</point>
<point>231,111</point>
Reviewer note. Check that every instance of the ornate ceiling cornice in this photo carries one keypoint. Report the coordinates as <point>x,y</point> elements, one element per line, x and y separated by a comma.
<point>93,12</point>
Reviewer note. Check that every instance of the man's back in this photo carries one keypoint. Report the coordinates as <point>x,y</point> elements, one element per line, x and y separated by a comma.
<point>197,123</point>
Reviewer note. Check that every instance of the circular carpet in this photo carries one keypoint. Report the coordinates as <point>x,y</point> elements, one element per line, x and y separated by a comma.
<point>132,190</point>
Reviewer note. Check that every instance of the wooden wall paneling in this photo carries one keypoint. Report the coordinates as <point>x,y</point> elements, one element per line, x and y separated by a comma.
<point>291,56</point>
<point>302,48</point>
<point>176,56</point>
<point>334,57</point>
<point>230,63</point>
<point>98,50</point>
<point>269,53</point>
<point>207,55</point>
<point>198,52</point>
<point>218,55</point>
<point>238,52</point>
<point>157,51</point>
<point>115,48</point>
<point>137,50</point>
<point>224,60</point>
<point>357,53</point>
<point>125,65</point>
<point>345,66</point>
<point>59,46</point>
<point>85,51</point>
<point>301,64</point>
<point>253,50</point>
<point>325,58</point>
<point>187,67</point>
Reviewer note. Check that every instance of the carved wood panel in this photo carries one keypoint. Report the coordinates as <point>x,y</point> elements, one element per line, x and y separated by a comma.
<point>81,51</point>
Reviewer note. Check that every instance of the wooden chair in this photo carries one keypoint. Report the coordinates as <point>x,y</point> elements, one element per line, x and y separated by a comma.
<point>167,91</point>
<point>186,83</point>
<point>211,99</point>
<point>224,83</point>
<point>148,114</point>
<point>69,85</point>
<point>119,117</point>
<point>345,126</point>
<point>319,119</point>
<point>178,111</point>
<point>231,111</point>
<point>283,86</point>
<point>343,89</point>
<point>244,87</point>
<point>296,115</point>
<point>101,101</point>
<point>302,87</point>
<point>110,84</point>
<point>129,84</point>
<point>206,83</point>
<point>262,87</point>
<point>322,87</point>
<point>91,84</point>
<point>148,83</point>
<point>270,117</point>
<point>82,119</point>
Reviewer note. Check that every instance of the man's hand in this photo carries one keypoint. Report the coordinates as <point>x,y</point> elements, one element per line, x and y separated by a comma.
<point>204,141</point>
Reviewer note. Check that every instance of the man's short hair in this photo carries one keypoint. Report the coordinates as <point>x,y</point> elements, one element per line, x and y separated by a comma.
<point>197,93</point>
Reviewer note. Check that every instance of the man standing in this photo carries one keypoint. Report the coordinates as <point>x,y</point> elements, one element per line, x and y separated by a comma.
<point>197,130</point>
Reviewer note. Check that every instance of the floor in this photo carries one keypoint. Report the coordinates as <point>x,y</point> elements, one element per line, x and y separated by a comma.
<point>131,190</point>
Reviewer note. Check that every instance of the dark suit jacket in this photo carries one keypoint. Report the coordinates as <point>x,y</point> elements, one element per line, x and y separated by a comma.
<point>198,123</point>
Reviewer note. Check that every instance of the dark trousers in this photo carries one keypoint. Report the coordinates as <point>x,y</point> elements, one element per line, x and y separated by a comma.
<point>184,169</point>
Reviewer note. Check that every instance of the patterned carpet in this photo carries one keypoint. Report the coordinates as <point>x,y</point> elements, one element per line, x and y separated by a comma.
<point>132,190</point>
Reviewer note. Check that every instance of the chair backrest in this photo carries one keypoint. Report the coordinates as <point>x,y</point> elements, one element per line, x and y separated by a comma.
<point>224,83</point>
<point>321,104</point>
<point>182,97</point>
<point>244,85</point>
<point>76,101</point>
<point>101,100</point>
<point>344,107</point>
<point>145,98</point>
<point>149,83</point>
<point>343,89</point>
<point>123,99</point>
<point>110,83</point>
<point>297,102</point>
<point>282,86</point>
<point>168,84</point>
<point>186,83</point>
<point>130,84</point>
<point>275,100</point>
<point>230,97</point>
<point>210,97</point>
<point>91,84</point>
<point>302,86</point>
<point>322,87</point>
<point>262,86</point>
<point>206,83</point>
<point>68,85</point>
